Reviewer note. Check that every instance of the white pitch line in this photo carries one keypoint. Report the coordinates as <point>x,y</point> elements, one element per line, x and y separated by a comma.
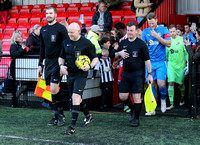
<point>42,140</point>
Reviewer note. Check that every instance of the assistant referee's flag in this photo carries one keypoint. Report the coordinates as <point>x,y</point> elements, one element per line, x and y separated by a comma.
<point>43,90</point>
<point>149,100</point>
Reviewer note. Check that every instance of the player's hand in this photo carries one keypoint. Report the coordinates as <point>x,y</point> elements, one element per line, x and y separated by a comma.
<point>187,42</point>
<point>85,67</point>
<point>150,79</point>
<point>92,78</point>
<point>63,70</point>
<point>154,34</point>
<point>124,54</point>
<point>40,70</point>
<point>186,70</point>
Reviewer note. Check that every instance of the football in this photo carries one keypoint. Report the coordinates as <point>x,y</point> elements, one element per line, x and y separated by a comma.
<point>82,60</point>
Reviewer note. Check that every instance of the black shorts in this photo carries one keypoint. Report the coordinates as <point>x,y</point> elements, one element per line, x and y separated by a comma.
<point>132,82</point>
<point>52,71</point>
<point>76,83</point>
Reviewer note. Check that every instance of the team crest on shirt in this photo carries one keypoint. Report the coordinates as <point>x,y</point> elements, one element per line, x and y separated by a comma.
<point>177,43</point>
<point>77,53</point>
<point>53,38</point>
<point>135,54</point>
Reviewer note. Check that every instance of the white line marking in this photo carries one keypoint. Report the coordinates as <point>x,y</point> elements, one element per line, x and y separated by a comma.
<point>42,140</point>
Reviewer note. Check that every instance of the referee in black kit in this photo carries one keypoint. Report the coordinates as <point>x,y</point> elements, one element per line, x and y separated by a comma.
<point>135,55</point>
<point>76,78</point>
<point>52,35</point>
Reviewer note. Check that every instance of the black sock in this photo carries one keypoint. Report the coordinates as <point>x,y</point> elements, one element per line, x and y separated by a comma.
<point>129,103</point>
<point>137,108</point>
<point>60,107</point>
<point>84,108</point>
<point>75,113</point>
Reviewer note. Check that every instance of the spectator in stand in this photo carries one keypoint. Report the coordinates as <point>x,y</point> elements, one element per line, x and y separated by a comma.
<point>163,24</point>
<point>17,50</point>
<point>114,40</point>
<point>103,18</point>
<point>94,35</point>
<point>112,4</point>
<point>176,56</point>
<point>179,30</point>
<point>143,7</point>
<point>157,37</point>
<point>33,41</point>
<point>5,5</point>
<point>189,35</point>
<point>105,67</point>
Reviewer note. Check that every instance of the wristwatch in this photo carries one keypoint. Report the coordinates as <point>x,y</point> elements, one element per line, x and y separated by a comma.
<point>91,67</point>
<point>149,73</point>
<point>60,65</point>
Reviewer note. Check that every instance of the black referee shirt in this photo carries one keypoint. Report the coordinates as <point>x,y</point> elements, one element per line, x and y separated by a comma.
<point>138,53</point>
<point>72,49</point>
<point>51,37</point>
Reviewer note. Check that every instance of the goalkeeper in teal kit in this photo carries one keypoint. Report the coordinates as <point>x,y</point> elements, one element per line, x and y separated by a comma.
<point>176,56</point>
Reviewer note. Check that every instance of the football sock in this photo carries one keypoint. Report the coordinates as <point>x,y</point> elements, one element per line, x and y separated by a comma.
<point>163,92</point>
<point>129,103</point>
<point>171,94</point>
<point>75,113</point>
<point>182,90</point>
<point>137,108</point>
<point>84,108</point>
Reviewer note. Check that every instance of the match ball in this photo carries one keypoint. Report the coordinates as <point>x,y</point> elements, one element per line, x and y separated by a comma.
<point>82,60</point>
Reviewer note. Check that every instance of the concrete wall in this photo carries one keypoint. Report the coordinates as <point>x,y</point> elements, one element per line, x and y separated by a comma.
<point>184,7</point>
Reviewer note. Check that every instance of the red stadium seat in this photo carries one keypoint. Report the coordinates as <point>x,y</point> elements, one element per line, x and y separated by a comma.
<point>35,19</point>
<point>23,30</point>
<point>18,7</point>
<point>87,4</point>
<point>6,61</point>
<point>3,70</point>
<point>36,10</point>
<point>74,7</point>
<point>20,20</point>
<point>61,9</point>
<point>61,19</point>
<point>37,15</point>
<point>1,30</point>
<point>62,5</point>
<point>44,22</point>
<point>33,23</point>
<point>25,35</point>
<point>27,6</point>
<point>1,36</point>
<point>24,25</point>
<point>2,25</point>
<point>62,14</point>
<point>130,17</point>
<point>9,30</point>
<point>38,6</point>
<point>24,11</point>
<point>6,47</point>
<point>128,12</point>
<point>14,15</point>
<point>48,5</point>
<point>25,15</point>
<point>13,11</point>
<point>12,20</point>
<point>11,25</point>
<point>7,36</point>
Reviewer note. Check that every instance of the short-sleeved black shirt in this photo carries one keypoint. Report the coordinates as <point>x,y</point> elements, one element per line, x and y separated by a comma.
<point>138,53</point>
<point>71,49</point>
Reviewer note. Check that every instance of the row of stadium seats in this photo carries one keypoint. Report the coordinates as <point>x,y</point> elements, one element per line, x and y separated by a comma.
<point>88,6</point>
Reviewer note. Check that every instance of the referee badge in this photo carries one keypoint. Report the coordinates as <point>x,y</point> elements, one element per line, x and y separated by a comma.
<point>53,38</point>
<point>135,54</point>
<point>77,53</point>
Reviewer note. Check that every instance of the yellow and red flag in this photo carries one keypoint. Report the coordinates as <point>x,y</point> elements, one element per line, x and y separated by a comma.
<point>149,100</point>
<point>43,90</point>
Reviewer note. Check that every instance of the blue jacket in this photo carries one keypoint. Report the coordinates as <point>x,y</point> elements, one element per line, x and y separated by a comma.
<point>107,20</point>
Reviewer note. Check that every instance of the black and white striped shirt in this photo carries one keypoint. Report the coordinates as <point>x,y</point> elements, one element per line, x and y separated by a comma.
<point>105,68</point>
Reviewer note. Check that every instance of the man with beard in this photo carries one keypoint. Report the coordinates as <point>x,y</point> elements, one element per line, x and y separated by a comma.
<point>52,35</point>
